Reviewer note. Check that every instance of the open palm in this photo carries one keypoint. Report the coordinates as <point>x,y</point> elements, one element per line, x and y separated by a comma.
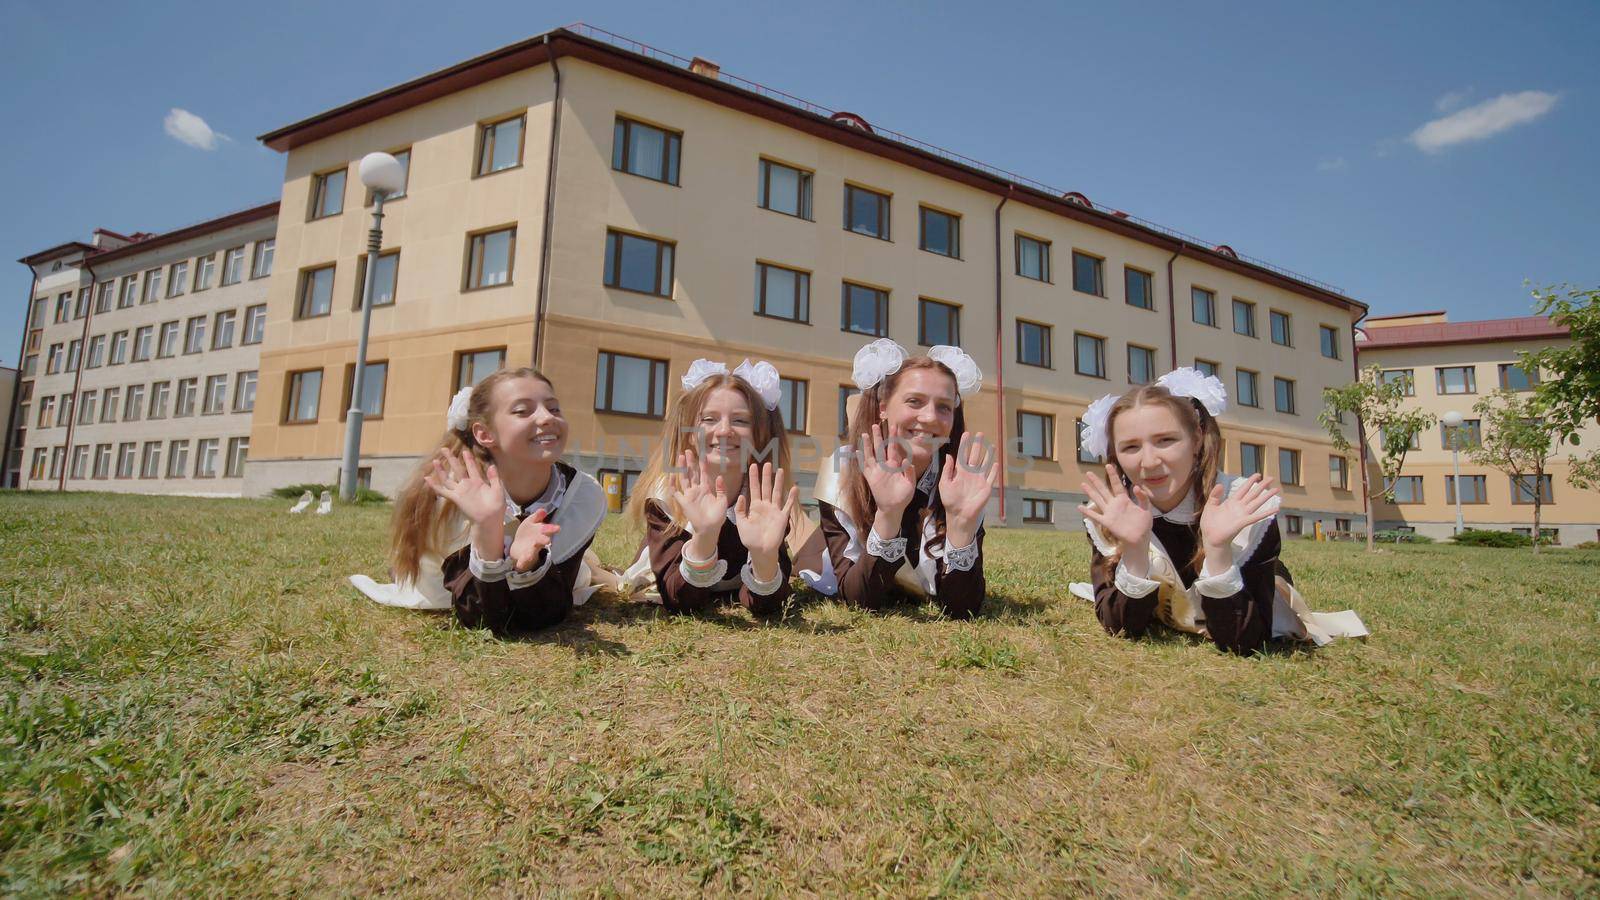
<point>1223,518</point>
<point>1125,517</point>
<point>477,494</point>
<point>889,475</point>
<point>763,512</point>
<point>699,494</point>
<point>968,479</point>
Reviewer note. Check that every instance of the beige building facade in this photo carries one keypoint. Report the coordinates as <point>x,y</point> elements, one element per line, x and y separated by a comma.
<point>660,211</point>
<point>142,361</point>
<point>1450,366</point>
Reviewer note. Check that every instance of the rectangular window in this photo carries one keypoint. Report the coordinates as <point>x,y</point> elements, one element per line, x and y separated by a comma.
<point>143,341</point>
<point>783,293</point>
<point>1244,317</point>
<point>1457,379</point>
<point>168,345</point>
<point>1089,355</point>
<point>63,308</point>
<point>222,330</point>
<point>238,451</point>
<point>74,355</point>
<point>129,292</point>
<point>152,286</point>
<point>1405,377</point>
<point>1033,344</point>
<point>316,293</point>
<point>47,408</point>
<point>792,396</point>
<point>160,396</point>
<point>205,458</point>
<point>1088,274</point>
<point>110,404</point>
<point>150,466</point>
<point>204,268</point>
<point>86,408</point>
<point>374,383</point>
<point>1206,367</point>
<point>58,355</point>
<point>244,392</point>
<point>403,157</point>
<point>41,458</point>
<point>233,265</point>
<point>64,416</point>
<point>1139,288</point>
<point>1293,525</point>
<point>1037,509</point>
<point>1281,334</point>
<point>641,264</point>
<point>127,459</point>
<point>119,348</point>
<point>845,393</point>
<point>940,232</point>
<point>194,335</point>
<point>133,409</point>
<point>865,310</point>
<point>500,145</point>
<point>178,279</point>
<point>327,196</point>
<point>304,394</point>
<point>1474,489</point>
<point>384,278</point>
<point>255,324</point>
<point>866,212</point>
<point>631,385</point>
<point>102,461</point>
<point>1338,473</point>
<point>1203,306</point>
<point>784,189</point>
<point>1513,378</point>
<point>177,459</point>
<point>938,323</point>
<point>1245,388</point>
<point>102,300</point>
<point>1522,487</point>
<point>80,462</point>
<point>1141,364</point>
<point>474,366</point>
<point>1036,435</point>
<point>645,150</point>
<point>1416,439</point>
<point>1288,465</point>
<point>188,395</point>
<point>261,258</point>
<point>1283,394</point>
<point>82,309</point>
<point>1407,489</point>
<point>1330,341</point>
<point>216,395</point>
<point>1033,258</point>
<point>1252,458</point>
<point>1470,434</point>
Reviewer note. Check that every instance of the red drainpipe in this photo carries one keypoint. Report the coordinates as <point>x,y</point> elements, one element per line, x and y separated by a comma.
<point>999,356</point>
<point>1172,309</point>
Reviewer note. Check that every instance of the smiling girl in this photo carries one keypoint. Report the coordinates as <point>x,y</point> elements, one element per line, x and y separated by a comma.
<point>902,514</point>
<point>1177,542</point>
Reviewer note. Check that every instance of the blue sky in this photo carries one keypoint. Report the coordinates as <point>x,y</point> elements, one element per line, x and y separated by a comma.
<point>1296,132</point>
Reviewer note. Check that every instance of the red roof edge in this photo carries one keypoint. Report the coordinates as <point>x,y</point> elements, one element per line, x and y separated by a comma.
<point>58,250</point>
<point>242,217</point>
<point>1485,331</point>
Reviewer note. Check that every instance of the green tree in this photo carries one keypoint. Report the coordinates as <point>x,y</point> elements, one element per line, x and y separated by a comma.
<point>1568,395</point>
<point>1518,441</point>
<point>1378,404</point>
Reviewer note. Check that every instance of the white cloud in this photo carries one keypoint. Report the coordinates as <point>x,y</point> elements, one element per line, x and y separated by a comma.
<point>1452,101</point>
<point>188,128</point>
<point>1482,120</point>
<point>1337,164</point>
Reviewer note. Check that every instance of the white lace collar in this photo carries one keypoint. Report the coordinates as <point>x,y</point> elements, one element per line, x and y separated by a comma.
<point>549,501</point>
<point>1184,513</point>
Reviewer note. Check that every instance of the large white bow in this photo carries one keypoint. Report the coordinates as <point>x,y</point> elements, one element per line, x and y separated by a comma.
<point>761,375</point>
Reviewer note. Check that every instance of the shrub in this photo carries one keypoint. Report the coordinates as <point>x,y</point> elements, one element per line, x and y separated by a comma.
<point>293,492</point>
<point>1472,537</point>
<point>1401,537</point>
<point>1588,545</point>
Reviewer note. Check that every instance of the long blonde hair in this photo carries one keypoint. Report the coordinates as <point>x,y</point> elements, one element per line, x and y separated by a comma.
<point>421,517</point>
<point>679,434</point>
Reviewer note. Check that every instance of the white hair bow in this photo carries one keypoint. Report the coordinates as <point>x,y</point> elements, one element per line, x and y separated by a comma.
<point>883,357</point>
<point>457,417</point>
<point>761,375</point>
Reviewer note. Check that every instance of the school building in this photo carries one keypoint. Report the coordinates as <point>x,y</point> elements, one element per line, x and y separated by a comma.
<point>1448,366</point>
<point>609,212</point>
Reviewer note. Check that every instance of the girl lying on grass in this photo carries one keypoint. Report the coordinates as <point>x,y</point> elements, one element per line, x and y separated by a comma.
<point>1175,541</point>
<point>904,516</point>
<point>511,521</point>
<point>715,530</point>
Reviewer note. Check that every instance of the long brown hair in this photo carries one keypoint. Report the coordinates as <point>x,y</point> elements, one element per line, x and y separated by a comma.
<point>1194,420</point>
<point>858,499</point>
<point>421,517</point>
<point>679,434</point>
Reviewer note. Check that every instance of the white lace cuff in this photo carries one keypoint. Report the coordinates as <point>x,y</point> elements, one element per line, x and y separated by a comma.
<point>961,559</point>
<point>487,571</point>
<point>892,550</point>
<point>1132,585</point>
<point>1226,584</point>
<point>701,578</point>
<point>530,578</point>
<point>762,588</point>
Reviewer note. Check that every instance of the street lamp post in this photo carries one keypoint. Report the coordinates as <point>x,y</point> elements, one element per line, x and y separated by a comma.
<point>383,175</point>
<point>1452,420</point>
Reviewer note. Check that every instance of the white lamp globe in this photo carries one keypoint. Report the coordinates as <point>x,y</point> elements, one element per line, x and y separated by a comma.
<point>1452,419</point>
<point>382,173</point>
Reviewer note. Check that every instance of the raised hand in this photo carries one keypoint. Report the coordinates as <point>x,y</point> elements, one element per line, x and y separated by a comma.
<point>478,495</point>
<point>533,535</point>
<point>888,473</point>
<point>969,477</point>
<point>763,512</point>
<point>1125,517</point>
<point>1223,519</point>
<point>700,495</point>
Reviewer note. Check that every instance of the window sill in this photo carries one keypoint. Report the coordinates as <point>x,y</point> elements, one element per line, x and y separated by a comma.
<point>629,290</point>
<point>760,314</point>
<point>477,175</point>
<point>631,415</point>
<point>867,234</point>
<point>1046,366</point>
<point>646,177</point>
<point>789,215</point>
<point>469,289</point>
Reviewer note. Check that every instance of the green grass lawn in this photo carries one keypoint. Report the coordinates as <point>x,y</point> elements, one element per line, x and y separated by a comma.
<point>195,701</point>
